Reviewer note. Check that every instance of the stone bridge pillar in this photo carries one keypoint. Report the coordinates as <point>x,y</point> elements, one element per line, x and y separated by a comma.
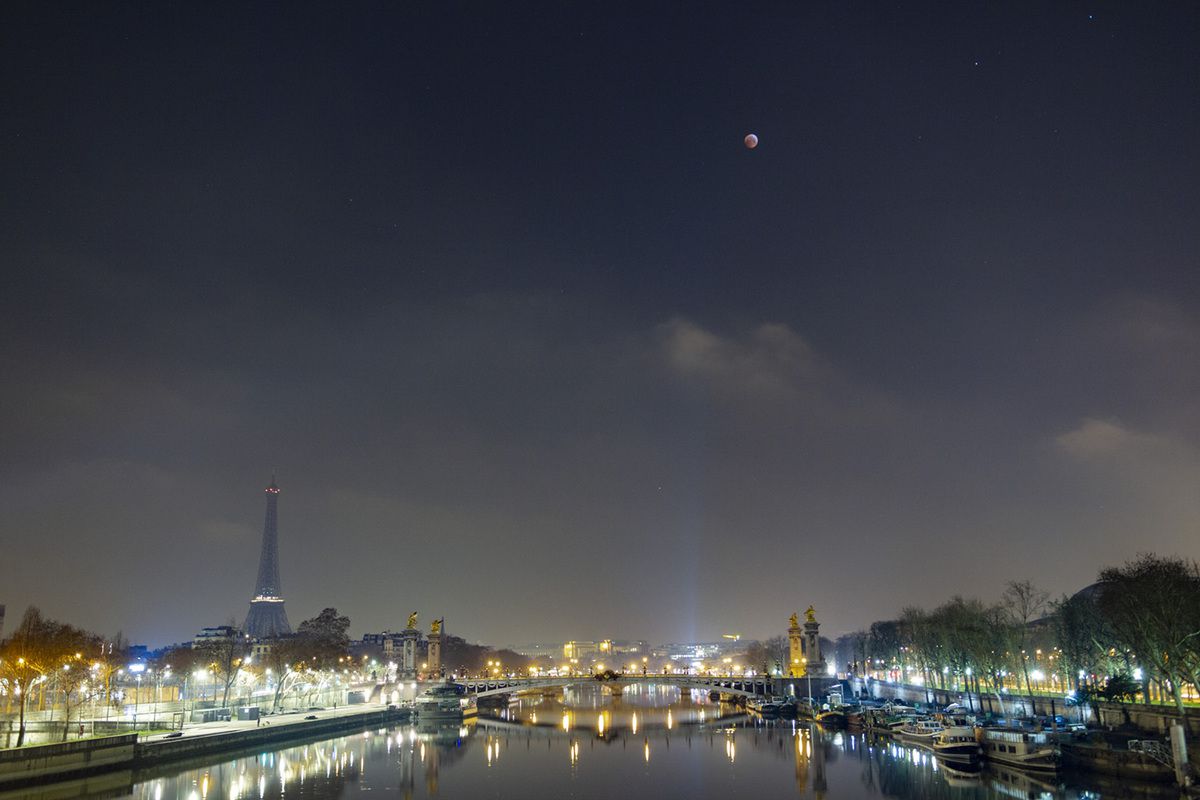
<point>435,654</point>
<point>408,652</point>
<point>812,645</point>
<point>796,655</point>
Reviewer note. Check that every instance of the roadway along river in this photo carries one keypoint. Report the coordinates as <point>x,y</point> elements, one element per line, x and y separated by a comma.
<point>652,742</point>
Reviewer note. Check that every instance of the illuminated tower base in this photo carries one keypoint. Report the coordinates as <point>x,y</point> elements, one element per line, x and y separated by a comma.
<point>266,618</point>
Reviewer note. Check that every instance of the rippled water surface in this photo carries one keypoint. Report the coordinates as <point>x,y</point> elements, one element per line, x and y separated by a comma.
<point>652,742</point>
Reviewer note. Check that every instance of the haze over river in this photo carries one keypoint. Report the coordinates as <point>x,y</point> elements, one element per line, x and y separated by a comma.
<point>653,742</point>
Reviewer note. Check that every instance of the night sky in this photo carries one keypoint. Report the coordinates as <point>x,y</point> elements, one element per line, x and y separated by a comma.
<point>534,342</point>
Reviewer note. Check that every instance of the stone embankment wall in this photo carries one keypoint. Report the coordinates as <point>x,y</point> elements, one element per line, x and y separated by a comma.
<point>54,762</point>
<point>164,750</point>
<point>40,762</point>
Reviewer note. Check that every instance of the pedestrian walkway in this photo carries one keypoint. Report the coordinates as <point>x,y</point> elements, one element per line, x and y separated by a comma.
<point>194,729</point>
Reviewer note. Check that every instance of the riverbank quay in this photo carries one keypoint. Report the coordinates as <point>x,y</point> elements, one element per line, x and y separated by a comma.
<point>1153,719</point>
<point>1127,740</point>
<point>46,763</point>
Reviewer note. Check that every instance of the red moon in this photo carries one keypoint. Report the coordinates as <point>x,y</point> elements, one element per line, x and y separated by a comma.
<point>751,141</point>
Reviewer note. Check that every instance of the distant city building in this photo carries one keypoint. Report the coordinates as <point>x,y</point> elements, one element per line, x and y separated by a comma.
<point>574,649</point>
<point>260,649</point>
<point>595,651</point>
<point>384,646</point>
<point>686,651</point>
<point>267,616</point>
<point>219,633</point>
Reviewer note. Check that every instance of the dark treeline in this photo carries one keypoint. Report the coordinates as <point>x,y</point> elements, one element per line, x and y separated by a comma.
<point>1137,629</point>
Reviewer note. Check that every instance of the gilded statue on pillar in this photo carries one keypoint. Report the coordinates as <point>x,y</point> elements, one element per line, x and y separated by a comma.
<point>795,622</point>
<point>810,615</point>
<point>412,621</point>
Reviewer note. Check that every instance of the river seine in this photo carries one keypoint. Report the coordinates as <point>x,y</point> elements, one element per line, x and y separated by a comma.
<point>652,742</point>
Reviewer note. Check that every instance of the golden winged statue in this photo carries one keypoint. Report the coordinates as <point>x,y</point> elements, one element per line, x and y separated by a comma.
<point>412,620</point>
<point>811,614</point>
<point>435,627</point>
<point>795,622</point>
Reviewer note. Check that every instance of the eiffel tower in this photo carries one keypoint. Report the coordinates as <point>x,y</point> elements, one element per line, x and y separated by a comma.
<point>267,616</point>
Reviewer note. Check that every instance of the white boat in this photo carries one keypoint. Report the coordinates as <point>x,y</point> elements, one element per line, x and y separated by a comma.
<point>1031,750</point>
<point>956,742</point>
<point>446,700</point>
<point>920,731</point>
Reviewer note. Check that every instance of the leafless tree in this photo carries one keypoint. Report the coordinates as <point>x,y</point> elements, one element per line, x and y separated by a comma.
<point>224,658</point>
<point>1025,603</point>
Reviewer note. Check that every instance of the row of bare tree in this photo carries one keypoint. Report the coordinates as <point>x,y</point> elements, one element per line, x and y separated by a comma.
<point>1138,625</point>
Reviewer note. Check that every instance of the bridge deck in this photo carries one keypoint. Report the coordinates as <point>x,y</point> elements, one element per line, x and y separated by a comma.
<point>749,687</point>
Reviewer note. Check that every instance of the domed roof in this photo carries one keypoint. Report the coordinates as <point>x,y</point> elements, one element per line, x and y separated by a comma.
<point>1091,592</point>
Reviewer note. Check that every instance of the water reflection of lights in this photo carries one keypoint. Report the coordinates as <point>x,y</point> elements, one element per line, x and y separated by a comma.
<point>337,759</point>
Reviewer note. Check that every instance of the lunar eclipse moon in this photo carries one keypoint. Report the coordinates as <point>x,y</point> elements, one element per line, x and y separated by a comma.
<point>751,141</point>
